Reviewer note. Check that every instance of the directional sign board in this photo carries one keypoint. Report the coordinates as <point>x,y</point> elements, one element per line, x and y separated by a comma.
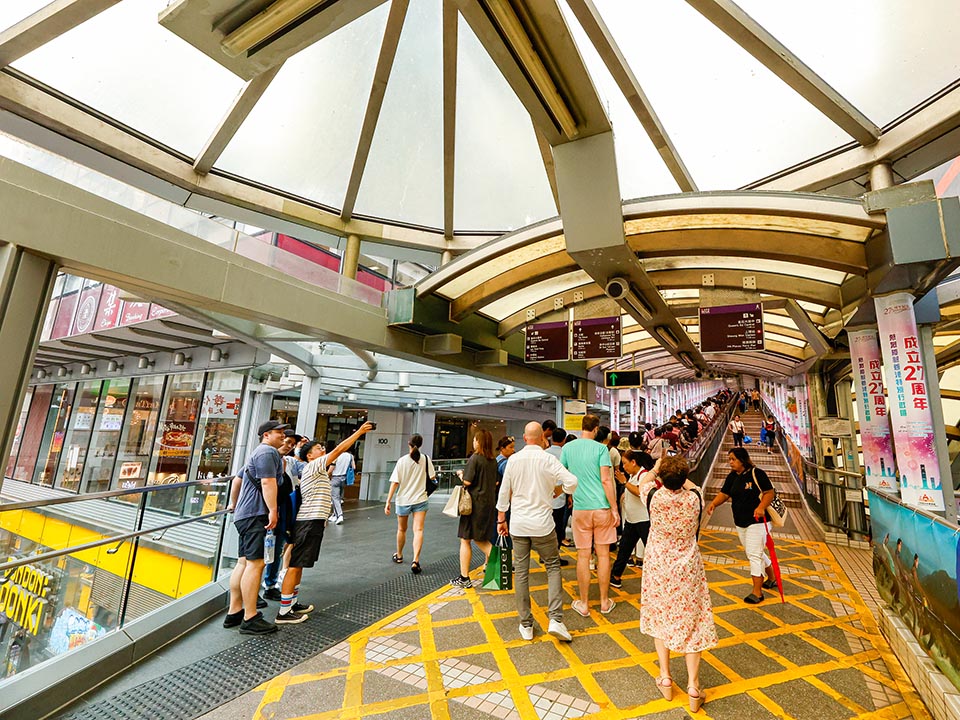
<point>547,342</point>
<point>596,339</point>
<point>616,379</point>
<point>731,328</point>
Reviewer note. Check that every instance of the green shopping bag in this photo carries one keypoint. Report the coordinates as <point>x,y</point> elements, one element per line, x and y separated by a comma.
<point>499,574</point>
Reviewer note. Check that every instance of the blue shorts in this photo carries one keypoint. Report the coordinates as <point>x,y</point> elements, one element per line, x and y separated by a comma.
<point>404,510</point>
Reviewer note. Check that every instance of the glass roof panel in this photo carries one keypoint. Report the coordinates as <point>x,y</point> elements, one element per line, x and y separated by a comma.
<point>812,307</point>
<point>538,291</point>
<point>295,139</point>
<point>500,182</point>
<point>768,335</point>
<point>757,124</point>
<point>404,175</point>
<point>834,277</point>
<point>781,320</point>
<point>125,65</point>
<point>884,56</point>
<point>13,11</point>
<point>640,168</point>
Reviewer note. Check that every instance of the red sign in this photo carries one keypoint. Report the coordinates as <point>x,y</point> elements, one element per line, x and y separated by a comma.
<point>109,311</point>
<point>64,319</point>
<point>158,311</point>
<point>134,312</point>
<point>86,316</point>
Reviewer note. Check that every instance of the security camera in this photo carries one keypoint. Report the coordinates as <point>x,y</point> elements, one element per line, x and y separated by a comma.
<point>698,374</point>
<point>617,288</point>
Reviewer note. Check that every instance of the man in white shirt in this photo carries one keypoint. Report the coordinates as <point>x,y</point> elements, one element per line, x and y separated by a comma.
<point>531,480</point>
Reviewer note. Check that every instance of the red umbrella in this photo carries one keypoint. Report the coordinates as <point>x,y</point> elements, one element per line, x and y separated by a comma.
<point>773,559</point>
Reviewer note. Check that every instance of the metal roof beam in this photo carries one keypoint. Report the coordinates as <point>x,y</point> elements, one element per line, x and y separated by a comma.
<point>811,333</point>
<point>756,40</point>
<point>378,90</point>
<point>244,103</point>
<point>606,46</point>
<point>48,23</point>
<point>449,23</point>
<point>789,286</point>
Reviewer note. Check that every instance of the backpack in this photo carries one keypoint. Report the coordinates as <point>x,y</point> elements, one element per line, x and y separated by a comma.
<point>699,501</point>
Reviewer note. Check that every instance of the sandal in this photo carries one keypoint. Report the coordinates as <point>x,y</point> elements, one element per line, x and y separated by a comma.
<point>665,686</point>
<point>580,608</point>
<point>609,609</point>
<point>696,698</point>
<point>415,567</point>
<point>753,599</point>
<point>769,585</point>
<point>398,559</point>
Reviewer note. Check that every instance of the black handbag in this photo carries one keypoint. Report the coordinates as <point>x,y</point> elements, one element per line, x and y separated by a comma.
<point>431,482</point>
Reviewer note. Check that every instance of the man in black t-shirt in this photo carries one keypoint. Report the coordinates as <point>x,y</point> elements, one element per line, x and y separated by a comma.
<point>751,492</point>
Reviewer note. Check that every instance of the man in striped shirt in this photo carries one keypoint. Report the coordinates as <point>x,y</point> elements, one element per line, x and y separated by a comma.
<point>315,504</point>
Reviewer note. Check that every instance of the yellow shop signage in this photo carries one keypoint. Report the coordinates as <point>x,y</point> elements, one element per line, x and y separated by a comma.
<point>23,596</point>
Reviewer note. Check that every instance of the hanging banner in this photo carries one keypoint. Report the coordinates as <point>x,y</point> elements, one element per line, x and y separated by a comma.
<point>875,438</point>
<point>910,416</point>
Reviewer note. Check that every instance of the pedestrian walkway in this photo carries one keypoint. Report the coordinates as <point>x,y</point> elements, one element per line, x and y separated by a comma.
<point>457,654</point>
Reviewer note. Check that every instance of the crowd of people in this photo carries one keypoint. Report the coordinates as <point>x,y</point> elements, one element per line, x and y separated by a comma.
<point>631,494</point>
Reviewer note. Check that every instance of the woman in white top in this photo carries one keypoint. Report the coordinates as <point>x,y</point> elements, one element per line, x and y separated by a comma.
<point>409,483</point>
<point>636,520</point>
<point>736,427</point>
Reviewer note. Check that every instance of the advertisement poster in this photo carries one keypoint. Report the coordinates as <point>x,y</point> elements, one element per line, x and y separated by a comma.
<point>909,409</point>
<point>915,562</point>
<point>878,462</point>
<point>176,439</point>
<point>158,311</point>
<point>109,311</point>
<point>134,312</point>
<point>86,311</point>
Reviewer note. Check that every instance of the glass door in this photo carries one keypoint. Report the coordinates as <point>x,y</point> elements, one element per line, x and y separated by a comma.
<point>58,416</point>
<point>102,453</point>
<point>78,436</point>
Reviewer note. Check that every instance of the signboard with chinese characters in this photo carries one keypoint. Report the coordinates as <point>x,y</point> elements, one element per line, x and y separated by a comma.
<point>547,342</point>
<point>108,313</point>
<point>220,404</point>
<point>911,418</point>
<point>596,339</point>
<point>874,424</point>
<point>731,328</point>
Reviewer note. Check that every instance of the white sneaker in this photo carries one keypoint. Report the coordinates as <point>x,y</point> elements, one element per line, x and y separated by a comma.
<point>526,632</point>
<point>559,631</point>
<point>339,521</point>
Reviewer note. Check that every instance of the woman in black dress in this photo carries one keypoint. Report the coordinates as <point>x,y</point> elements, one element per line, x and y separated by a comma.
<point>480,480</point>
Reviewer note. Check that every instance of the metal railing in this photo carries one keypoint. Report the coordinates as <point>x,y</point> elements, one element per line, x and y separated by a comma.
<point>69,581</point>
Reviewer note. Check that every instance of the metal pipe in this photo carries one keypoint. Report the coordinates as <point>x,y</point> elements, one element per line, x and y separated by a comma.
<point>125,598</point>
<point>5,507</point>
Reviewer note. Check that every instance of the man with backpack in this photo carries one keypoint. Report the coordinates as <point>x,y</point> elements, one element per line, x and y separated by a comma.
<point>253,499</point>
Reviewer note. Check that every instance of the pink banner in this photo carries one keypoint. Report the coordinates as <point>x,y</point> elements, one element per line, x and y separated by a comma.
<point>134,312</point>
<point>910,416</point>
<point>875,438</point>
<point>109,311</point>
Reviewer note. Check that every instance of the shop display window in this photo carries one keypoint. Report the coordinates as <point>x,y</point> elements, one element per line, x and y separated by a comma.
<point>33,433</point>
<point>58,417</point>
<point>216,433</point>
<point>18,435</point>
<point>78,436</point>
<point>108,422</point>
<point>139,430</point>
<point>173,446</point>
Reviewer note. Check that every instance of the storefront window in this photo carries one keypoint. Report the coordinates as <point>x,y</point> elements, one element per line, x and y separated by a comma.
<point>174,440</point>
<point>213,455</point>
<point>58,416</point>
<point>18,436</point>
<point>33,433</point>
<point>78,436</point>
<point>139,431</point>
<point>98,468</point>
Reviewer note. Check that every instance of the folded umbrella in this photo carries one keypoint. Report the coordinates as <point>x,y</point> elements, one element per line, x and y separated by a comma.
<point>773,560</point>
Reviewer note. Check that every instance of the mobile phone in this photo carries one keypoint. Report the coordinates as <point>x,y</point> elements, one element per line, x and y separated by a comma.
<point>373,425</point>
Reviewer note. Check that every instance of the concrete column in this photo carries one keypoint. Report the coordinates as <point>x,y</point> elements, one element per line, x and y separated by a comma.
<point>25,284</point>
<point>257,407</point>
<point>307,409</point>
<point>383,446</point>
<point>351,257</point>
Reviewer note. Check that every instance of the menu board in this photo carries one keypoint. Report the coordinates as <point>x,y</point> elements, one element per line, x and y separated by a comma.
<point>596,339</point>
<point>731,328</point>
<point>547,342</point>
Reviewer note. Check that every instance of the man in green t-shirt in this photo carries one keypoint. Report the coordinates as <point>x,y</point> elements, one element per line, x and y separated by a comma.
<point>595,516</point>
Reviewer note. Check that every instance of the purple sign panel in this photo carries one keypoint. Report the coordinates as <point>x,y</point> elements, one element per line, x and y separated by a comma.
<point>731,328</point>
<point>547,342</point>
<point>596,339</point>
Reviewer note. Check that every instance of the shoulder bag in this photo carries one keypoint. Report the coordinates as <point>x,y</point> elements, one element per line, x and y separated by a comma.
<point>777,509</point>
<point>431,483</point>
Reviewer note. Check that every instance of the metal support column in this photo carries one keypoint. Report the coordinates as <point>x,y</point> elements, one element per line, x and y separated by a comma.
<point>25,284</point>
<point>307,409</point>
<point>948,486</point>
<point>351,257</point>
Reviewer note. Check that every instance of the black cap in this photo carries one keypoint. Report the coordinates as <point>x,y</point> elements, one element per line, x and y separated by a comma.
<point>271,425</point>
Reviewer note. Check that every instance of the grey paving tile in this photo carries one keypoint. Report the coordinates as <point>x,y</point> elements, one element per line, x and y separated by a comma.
<point>463,635</point>
<point>598,648</point>
<point>377,687</point>
<point>797,650</point>
<point>746,661</point>
<point>803,701</point>
<point>537,657</point>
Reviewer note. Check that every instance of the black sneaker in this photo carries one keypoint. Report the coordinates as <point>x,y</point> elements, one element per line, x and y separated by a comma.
<point>257,626</point>
<point>616,583</point>
<point>273,594</point>
<point>564,562</point>
<point>261,603</point>
<point>291,618</point>
<point>461,582</point>
<point>232,620</point>
<point>301,608</point>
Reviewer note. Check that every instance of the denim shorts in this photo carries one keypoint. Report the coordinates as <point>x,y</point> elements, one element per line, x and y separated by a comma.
<point>404,510</point>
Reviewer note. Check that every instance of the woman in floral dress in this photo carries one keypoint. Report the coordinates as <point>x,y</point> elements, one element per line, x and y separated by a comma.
<point>676,608</point>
